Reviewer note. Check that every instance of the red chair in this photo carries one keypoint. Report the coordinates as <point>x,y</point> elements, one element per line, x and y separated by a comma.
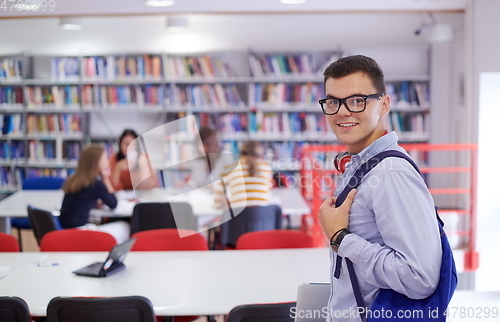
<point>8,243</point>
<point>168,239</point>
<point>77,240</point>
<point>279,238</point>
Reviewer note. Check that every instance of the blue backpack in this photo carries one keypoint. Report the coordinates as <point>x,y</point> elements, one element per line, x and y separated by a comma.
<point>390,305</point>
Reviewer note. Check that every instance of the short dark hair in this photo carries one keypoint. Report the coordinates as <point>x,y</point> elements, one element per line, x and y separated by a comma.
<point>206,133</point>
<point>357,64</point>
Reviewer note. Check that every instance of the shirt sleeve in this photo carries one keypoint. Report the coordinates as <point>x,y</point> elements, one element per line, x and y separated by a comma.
<point>408,261</point>
<point>101,192</point>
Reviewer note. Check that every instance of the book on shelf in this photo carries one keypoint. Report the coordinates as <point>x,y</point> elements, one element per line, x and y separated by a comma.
<point>263,95</point>
<point>53,124</point>
<point>11,124</point>
<point>122,67</point>
<point>408,94</point>
<point>288,125</point>
<point>205,96</point>
<point>53,97</point>
<point>11,96</point>
<point>6,179</point>
<point>65,68</point>
<point>204,66</point>
<point>11,68</point>
<point>279,65</point>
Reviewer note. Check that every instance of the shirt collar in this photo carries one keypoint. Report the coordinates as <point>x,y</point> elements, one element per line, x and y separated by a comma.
<point>379,145</point>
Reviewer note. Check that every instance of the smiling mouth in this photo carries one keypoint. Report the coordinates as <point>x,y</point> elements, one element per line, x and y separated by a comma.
<point>347,125</point>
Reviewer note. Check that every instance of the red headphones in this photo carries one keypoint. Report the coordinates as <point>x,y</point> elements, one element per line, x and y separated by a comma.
<point>341,160</point>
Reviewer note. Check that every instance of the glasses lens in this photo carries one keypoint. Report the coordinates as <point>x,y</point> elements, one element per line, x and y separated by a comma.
<point>356,103</point>
<point>331,105</point>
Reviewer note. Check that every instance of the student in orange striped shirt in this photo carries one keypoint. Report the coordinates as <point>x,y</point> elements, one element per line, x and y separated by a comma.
<point>252,184</point>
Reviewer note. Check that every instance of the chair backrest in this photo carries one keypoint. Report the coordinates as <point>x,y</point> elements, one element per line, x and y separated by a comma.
<point>156,215</point>
<point>168,239</point>
<point>250,219</point>
<point>77,240</point>
<point>42,183</point>
<point>42,222</point>
<point>109,309</point>
<point>279,238</point>
<point>14,309</point>
<point>8,243</point>
<point>278,312</point>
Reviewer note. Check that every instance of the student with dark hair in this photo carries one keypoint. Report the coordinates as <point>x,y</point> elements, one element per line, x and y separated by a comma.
<point>254,188</point>
<point>120,173</point>
<point>88,185</point>
<point>387,226</point>
<point>202,172</point>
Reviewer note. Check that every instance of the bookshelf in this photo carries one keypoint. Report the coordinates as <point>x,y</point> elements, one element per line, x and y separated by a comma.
<point>51,106</point>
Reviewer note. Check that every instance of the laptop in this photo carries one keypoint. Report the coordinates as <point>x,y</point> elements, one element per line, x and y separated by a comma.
<point>113,263</point>
<point>312,302</point>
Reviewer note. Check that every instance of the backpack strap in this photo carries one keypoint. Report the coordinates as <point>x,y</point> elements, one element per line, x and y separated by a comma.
<point>354,183</point>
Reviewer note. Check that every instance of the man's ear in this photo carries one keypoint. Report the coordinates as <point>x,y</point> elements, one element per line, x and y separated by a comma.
<point>386,105</point>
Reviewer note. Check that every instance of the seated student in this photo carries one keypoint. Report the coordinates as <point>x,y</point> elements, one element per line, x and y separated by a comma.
<point>120,172</point>
<point>254,188</point>
<point>89,184</point>
<point>200,171</point>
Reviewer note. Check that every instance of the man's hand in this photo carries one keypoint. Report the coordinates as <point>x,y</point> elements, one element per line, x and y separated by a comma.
<point>332,218</point>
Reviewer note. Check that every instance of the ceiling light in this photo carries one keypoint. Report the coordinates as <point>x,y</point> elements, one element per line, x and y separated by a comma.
<point>177,23</point>
<point>71,23</point>
<point>160,3</point>
<point>293,1</point>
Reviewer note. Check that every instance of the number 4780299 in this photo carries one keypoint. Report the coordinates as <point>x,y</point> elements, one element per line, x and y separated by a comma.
<point>27,5</point>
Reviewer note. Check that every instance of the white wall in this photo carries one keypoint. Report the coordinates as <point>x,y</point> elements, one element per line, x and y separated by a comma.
<point>485,85</point>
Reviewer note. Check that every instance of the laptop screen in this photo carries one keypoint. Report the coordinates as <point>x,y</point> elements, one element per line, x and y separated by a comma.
<point>117,254</point>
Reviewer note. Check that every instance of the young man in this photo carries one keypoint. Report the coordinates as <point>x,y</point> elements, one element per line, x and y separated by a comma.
<point>392,238</point>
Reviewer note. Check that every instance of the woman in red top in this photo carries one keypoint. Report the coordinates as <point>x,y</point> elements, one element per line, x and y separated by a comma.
<point>120,173</point>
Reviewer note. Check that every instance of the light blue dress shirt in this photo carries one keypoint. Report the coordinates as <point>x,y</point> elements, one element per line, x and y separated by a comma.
<point>395,240</point>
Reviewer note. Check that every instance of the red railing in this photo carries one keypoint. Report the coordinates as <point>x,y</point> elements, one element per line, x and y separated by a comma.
<point>318,182</point>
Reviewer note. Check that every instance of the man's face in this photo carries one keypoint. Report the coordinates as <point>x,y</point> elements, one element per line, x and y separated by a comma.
<point>356,130</point>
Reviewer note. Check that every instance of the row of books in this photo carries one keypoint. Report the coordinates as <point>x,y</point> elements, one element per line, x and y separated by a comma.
<point>12,151</point>
<point>123,95</point>
<point>205,96</point>
<point>11,68</point>
<point>11,124</point>
<point>278,65</point>
<point>288,124</point>
<point>65,68</point>
<point>198,66</point>
<point>409,94</point>
<point>53,124</point>
<point>50,150</point>
<point>408,122</point>
<point>11,95</point>
<point>122,67</point>
<point>44,172</point>
<point>280,94</point>
<point>41,150</point>
<point>285,65</point>
<point>52,96</point>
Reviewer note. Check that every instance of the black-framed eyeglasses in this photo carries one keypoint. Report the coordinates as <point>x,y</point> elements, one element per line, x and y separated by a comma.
<point>353,103</point>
